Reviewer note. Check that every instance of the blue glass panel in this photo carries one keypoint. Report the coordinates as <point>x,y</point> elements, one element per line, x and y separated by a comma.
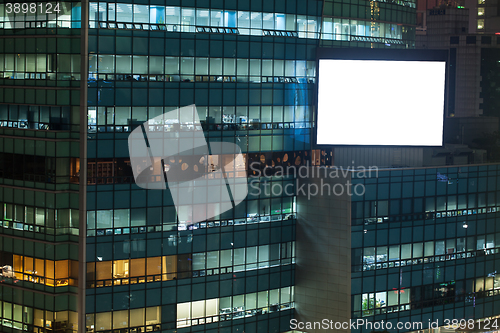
<point>157,15</point>
<point>76,17</point>
<point>230,19</point>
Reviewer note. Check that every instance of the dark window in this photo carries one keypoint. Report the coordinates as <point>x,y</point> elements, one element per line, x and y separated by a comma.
<point>485,39</point>
<point>470,40</point>
<point>454,39</point>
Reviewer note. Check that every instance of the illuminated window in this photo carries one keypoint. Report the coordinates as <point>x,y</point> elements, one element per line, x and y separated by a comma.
<point>480,11</point>
<point>62,272</point>
<point>49,272</point>
<point>120,319</point>
<point>137,267</point>
<point>136,317</point>
<point>103,270</point>
<point>480,24</point>
<point>153,266</point>
<point>120,269</point>
<point>234,307</point>
<point>103,321</point>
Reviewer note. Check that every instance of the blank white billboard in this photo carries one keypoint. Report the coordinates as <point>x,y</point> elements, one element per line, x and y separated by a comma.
<point>380,102</point>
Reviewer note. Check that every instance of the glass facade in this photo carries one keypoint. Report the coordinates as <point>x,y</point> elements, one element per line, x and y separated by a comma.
<point>251,74</point>
<point>424,245</point>
<point>82,247</point>
<point>369,23</point>
<point>41,212</point>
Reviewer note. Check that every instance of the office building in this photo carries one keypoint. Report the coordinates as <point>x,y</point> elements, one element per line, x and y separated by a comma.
<point>85,249</point>
<point>41,150</point>
<point>472,77</point>
<point>485,18</point>
<point>422,244</point>
<point>437,228</point>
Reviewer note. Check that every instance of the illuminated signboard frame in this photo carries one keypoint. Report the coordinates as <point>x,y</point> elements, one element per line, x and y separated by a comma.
<point>377,54</point>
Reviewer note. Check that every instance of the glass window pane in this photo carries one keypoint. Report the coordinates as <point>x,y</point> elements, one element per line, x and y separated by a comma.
<point>239,256</point>
<point>106,64</point>
<point>212,307</point>
<point>188,16</point>
<point>255,67</point>
<point>157,14</point>
<point>418,249</point>
<point>198,261</point>
<point>216,19</point>
<point>202,17</point>
<point>123,64</point>
<point>122,116</point>
<point>153,266</point>
<point>103,270</point>
<point>120,319</point>
<point>290,22</point>
<point>250,301</point>
<point>137,317</point>
<point>141,14</point>
<point>243,20</point>
<point>230,19</point>
<point>429,249</point>
<point>215,66</point>
<point>268,21</point>
<point>102,12</point>
<point>279,67</point>
<point>183,312</point>
<point>140,65</point>
<point>137,267</point>
<point>251,255</point>
<point>173,15</point>
<point>187,65</point>
<point>406,251</point>
<point>262,299</point>
<point>123,12</point>
<point>93,12</point>
<point>256,20</point>
<point>267,67</point>
<point>263,253</point>
<point>103,321</point>
<point>439,247</point>
<point>226,258</point>
<point>274,297</point>
<point>156,65</point>
<point>201,66</point>
<point>153,315</point>
<point>9,62</point>
<point>242,66</point>
<point>121,268</point>
<point>62,269</point>
<point>111,11</point>
<point>212,259</point>
<point>394,252</point>
<point>198,309</point>
<point>104,219</point>
<point>382,254</point>
<point>229,66</point>
<point>171,65</point>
